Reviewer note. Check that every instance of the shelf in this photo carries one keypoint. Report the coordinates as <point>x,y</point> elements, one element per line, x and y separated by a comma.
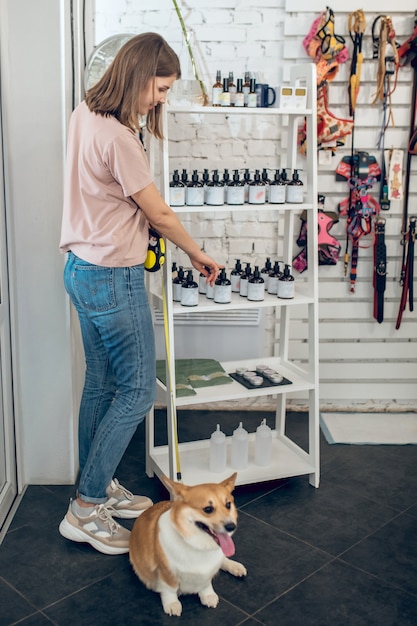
<point>203,110</point>
<point>221,208</point>
<point>287,459</point>
<point>205,305</point>
<point>300,381</point>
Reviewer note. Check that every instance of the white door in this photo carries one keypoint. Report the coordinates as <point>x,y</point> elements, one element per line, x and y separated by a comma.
<point>8,476</point>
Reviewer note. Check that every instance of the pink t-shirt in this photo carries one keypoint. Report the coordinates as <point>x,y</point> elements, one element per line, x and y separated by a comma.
<point>106,164</point>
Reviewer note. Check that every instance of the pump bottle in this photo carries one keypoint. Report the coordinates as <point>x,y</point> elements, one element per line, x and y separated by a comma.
<point>225,181</point>
<point>265,271</point>
<point>273,279</point>
<point>235,190</point>
<point>235,276</point>
<point>240,448</point>
<point>194,192</point>
<point>295,189</point>
<point>176,190</point>
<point>257,189</point>
<point>285,288</point>
<point>177,284</point>
<point>215,192</point>
<point>277,190</point>
<point>266,182</point>
<point>247,181</point>
<point>222,288</point>
<point>189,291</point>
<point>256,291</point>
<point>244,281</point>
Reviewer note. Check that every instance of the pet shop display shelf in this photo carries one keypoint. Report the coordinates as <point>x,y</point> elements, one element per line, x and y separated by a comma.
<point>191,459</point>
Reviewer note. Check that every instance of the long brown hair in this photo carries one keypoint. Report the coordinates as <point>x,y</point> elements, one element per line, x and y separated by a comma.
<point>138,61</point>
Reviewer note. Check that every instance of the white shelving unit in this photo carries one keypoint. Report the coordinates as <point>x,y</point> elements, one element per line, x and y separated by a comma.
<point>288,458</point>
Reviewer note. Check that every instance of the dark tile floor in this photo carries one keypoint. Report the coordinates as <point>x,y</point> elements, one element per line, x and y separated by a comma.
<point>343,554</point>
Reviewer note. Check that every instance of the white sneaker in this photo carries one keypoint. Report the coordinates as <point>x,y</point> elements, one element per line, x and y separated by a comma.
<point>99,529</point>
<point>124,503</point>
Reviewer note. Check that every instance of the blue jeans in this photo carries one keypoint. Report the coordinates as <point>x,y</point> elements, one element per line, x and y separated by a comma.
<point>119,346</point>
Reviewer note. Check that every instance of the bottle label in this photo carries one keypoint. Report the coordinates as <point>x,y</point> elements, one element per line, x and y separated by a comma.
<point>239,99</point>
<point>285,289</point>
<point>235,194</point>
<point>273,284</point>
<point>243,286</point>
<point>189,297</point>
<point>216,96</point>
<point>256,194</point>
<point>256,291</point>
<point>209,291</point>
<point>194,196</point>
<point>295,194</point>
<point>265,276</point>
<point>176,292</point>
<point>235,280</point>
<point>202,285</point>
<point>277,194</point>
<point>215,195</point>
<point>222,294</point>
<point>252,100</point>
<point>177,196</point>
<point>225,99</point>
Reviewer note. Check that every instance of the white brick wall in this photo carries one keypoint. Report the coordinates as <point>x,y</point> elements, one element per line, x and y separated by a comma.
<point>363,364</point>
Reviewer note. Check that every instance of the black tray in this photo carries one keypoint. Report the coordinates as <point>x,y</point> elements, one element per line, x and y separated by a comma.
<point>266,382</point>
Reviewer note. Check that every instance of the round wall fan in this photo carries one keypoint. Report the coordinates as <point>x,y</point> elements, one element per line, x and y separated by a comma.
<point>101,57</point>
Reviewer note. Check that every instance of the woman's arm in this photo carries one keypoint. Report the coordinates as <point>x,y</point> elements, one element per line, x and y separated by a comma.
<point>166,222</point>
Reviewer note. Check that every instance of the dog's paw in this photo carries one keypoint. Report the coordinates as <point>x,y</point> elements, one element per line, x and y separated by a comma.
<point>234,567</point>
<point>211,600</point>
<point>173,608</point>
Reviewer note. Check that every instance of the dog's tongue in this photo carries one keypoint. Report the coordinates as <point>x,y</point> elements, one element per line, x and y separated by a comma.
<point>226,544</point>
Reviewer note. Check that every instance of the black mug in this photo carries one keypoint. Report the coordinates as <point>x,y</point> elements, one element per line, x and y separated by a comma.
<point>265,95</point>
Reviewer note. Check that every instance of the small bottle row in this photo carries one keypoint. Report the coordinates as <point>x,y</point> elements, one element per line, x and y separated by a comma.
<point>236,189</point>
<point>240,448</point>
<point>247,283</point>
<point>244,93</point>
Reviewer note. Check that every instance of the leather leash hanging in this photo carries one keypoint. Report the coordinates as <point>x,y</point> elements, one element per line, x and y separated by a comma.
<point>380,269</point>
<point>408,51</point>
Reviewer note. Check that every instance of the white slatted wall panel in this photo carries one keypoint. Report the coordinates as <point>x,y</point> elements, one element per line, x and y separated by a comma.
<point>363,364</point>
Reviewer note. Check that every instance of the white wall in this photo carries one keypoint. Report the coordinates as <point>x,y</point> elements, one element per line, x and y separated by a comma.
<point>35,107</point>
<point>363,364</point>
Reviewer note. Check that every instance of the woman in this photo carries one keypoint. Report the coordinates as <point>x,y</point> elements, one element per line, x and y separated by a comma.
<point>109,201</point>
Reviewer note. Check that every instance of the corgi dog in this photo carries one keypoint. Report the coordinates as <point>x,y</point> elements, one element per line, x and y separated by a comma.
<point>178,546</point>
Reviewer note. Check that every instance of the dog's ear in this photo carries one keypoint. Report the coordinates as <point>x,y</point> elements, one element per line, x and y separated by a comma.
<point>229,483</point>
<point>177,490</point>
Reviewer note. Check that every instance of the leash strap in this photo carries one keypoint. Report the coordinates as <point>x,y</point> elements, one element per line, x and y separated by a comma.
<point>380,269</point>
<point>407,287</point>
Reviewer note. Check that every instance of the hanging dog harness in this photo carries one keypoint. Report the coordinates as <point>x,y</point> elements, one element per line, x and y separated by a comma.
<point>361,172</point>
<point>328,51</point>
<point>328,247</point>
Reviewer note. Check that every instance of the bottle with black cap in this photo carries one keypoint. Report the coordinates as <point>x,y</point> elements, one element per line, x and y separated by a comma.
<point>256,290</point>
